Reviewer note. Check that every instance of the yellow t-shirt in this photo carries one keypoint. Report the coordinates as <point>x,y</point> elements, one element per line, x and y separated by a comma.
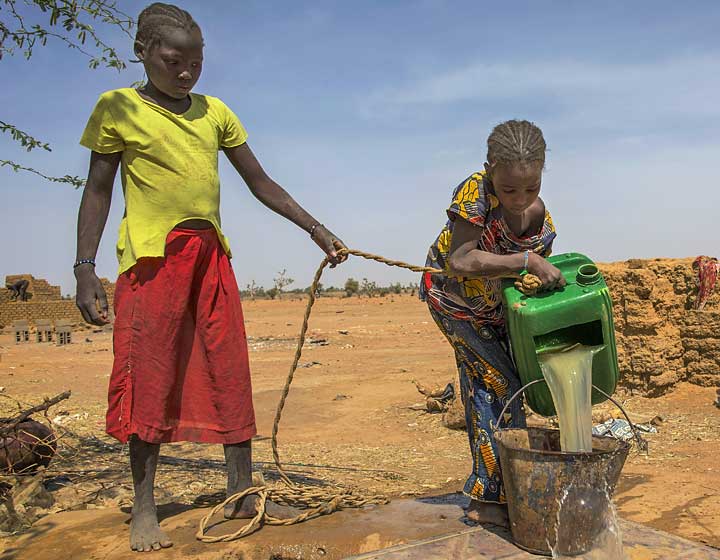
<point>169,164</point>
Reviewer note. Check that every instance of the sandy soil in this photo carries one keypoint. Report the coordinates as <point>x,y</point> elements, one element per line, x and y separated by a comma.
<point>353,418</point>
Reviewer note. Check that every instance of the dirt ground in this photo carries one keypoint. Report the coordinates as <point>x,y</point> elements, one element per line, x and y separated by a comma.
<point>353,418</point>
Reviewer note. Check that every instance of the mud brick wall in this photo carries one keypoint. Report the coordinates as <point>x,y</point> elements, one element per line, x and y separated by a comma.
<point>45,303</point>
<point>700,334</point>
<point>38,289</point>
<point>33,310</point>
<point>109,288</point>
<point>661,340</point>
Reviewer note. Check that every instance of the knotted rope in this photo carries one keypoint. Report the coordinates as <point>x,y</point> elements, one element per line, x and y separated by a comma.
<point>317,500</point>
<point>529,284</point>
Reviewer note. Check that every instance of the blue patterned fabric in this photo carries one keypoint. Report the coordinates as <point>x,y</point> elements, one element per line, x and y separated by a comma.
<point>488,378</point>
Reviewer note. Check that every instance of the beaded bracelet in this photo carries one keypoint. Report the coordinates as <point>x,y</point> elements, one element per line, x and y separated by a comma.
<point>314,227</point>
<point>83,261</point>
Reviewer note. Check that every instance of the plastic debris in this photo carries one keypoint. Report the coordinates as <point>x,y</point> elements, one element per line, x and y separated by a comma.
<point>620,429</point>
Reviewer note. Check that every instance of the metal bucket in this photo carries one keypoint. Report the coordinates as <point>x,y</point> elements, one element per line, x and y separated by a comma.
<point>536,473</point>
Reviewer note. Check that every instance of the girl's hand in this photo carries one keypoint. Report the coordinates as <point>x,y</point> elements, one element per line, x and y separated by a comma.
<point>329,243</point>
<point>550,275</point>
<point>89,291</point>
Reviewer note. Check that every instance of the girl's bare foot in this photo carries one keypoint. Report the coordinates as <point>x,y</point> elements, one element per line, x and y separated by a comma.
<point>487,512</point>
<point>240,477</point>
<point>246,509</point>
<point>145,533</point>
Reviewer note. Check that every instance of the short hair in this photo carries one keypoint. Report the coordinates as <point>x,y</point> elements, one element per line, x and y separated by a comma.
<point>157,18</point>
<point>516,141</point>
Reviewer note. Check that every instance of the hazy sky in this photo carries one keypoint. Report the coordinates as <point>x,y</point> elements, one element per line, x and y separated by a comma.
<point>370,113</point>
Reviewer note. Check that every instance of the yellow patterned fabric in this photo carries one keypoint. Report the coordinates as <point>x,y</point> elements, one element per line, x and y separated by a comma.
<point>477,299</point>
<point>169,166</point>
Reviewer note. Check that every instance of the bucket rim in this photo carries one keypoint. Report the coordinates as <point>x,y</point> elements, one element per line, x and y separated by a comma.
<point>622,446</point>
<point>642,444</point>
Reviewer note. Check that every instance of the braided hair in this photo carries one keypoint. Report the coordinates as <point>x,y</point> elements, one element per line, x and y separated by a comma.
<point>157,18</point>
<point>516,142</point>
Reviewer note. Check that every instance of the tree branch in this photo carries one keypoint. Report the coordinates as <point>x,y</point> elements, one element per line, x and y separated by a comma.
<point>26,141</point>
<point>66,13</point>
<point>7,425</point>
<point>75,181</point>
<point>19,31</point>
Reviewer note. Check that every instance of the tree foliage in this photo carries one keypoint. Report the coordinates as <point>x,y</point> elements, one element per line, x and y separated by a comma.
<point>253,290</point>
<point>368,288</point>
<point>281,281</point>
<point>27,25</point>
<point>352,287</point>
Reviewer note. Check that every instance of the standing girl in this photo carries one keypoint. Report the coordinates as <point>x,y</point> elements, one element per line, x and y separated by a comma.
<point>180,354</point>
<point>498,226</point>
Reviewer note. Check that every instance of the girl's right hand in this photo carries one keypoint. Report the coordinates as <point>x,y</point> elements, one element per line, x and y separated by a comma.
<point>549,275</point>
<point>89,291</point>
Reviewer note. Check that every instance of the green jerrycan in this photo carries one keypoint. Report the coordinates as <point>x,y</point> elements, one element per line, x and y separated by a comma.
<point>581,312</point>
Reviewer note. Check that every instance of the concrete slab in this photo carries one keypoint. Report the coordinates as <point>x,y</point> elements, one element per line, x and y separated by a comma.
<point>639,543</point>
<point>429,528</point>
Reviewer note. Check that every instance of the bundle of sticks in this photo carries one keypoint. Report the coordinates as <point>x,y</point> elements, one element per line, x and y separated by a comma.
<point>26,444</point>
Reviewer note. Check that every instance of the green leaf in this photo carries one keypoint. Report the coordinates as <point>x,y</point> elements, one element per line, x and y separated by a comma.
<point>75,181</point>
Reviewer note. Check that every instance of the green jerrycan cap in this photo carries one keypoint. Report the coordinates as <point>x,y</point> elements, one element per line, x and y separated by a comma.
<point>587,274</point>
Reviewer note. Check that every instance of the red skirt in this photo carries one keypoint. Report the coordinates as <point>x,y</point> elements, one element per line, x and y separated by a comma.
<point>181,370</point>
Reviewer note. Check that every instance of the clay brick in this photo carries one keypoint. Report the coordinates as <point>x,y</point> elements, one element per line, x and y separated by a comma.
<point>46,303</point>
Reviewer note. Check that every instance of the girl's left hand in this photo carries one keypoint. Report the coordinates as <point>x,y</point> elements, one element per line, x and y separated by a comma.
<point>329,243</point>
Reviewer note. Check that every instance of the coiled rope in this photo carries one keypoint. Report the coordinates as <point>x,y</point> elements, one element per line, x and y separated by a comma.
<point>317,501</point>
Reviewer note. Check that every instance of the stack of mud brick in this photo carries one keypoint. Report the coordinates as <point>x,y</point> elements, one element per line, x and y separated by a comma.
<point>62,332</point>
<point>44,330</point>
<point>45,303</point>
<point>21,331</point>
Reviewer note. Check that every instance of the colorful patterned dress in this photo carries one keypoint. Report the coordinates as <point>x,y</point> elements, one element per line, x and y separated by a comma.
<point>469,313</point>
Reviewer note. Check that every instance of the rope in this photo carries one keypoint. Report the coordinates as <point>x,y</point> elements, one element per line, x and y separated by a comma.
<point>529,284</point>
<point>317,500</point>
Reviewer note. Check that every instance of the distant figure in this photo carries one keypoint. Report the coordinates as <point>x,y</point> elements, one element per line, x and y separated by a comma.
<point>707,274</point>
<point>18,289</point>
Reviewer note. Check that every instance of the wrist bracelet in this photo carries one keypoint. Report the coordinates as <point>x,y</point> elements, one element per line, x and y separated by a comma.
<point>83,261</point>
<point>314,227</point>
<point>525,261</point>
